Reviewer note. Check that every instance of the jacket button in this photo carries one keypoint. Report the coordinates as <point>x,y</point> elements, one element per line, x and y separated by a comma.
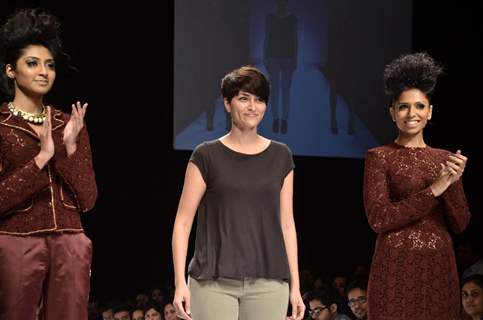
<point>50,204</point>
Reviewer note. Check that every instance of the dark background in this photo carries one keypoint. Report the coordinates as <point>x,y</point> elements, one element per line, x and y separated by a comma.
<point>124,53</point>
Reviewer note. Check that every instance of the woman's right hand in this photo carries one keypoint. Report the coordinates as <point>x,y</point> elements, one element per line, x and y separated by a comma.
<point>442,182</point>
<point>182,301</point>
<point>47,147</point>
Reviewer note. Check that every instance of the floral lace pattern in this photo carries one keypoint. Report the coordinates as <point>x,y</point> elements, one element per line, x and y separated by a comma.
<point>413,273</point>
<point>47,200</point>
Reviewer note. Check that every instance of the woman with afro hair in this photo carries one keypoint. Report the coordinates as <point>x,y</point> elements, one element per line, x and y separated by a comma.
<point>413,197</point>
<point>46,180</point>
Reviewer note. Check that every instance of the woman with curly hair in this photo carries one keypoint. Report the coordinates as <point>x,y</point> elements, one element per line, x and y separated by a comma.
<point>46,180</point>
<point>413,196</point>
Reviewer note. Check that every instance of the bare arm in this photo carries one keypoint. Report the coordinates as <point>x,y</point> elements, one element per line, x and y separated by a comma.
<point>290,240</point>
<point>193,190</point>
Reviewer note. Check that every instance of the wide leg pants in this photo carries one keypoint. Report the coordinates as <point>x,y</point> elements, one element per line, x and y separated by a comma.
<point>48,272</point>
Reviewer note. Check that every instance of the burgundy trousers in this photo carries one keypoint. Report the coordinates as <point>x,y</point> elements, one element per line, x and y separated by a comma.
<point>45,274</point>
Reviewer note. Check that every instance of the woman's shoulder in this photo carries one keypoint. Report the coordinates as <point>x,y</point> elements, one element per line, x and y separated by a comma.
<point>280,146</point>
<point>207,144</point>
<point>384,154</point>
<point>205,147</point>
<point>439,153</point>
<point>383,149</point>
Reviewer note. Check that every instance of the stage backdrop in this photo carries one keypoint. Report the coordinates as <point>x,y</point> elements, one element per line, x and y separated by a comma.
<point>324,59</point>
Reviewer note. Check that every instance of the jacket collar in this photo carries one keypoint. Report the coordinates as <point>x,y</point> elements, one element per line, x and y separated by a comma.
<point>9,120</point>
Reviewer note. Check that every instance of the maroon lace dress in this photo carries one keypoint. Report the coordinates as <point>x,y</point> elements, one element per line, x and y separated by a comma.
<point>413,273</point>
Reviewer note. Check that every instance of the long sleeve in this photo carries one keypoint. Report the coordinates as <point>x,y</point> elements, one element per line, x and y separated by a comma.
<point>456,207</point>
<point>78,173</point>
<point>20,185</point>
<point>383,214</point>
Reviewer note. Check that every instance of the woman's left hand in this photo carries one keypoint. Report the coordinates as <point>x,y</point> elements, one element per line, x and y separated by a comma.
<point>456,166</point>
<point>298,306</point>
<point>74,126</point>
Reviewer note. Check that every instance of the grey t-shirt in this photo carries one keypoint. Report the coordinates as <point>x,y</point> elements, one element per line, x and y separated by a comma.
<point>239,234</point>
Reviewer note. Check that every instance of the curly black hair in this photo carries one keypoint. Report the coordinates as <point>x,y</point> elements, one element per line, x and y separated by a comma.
<point>411,71</point>
<point>23,28</point>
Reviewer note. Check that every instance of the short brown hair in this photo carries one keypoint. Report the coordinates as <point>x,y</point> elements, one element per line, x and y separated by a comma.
<point>246,78</point>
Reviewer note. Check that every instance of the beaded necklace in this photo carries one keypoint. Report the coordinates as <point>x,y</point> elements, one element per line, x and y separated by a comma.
<point>35,118</point>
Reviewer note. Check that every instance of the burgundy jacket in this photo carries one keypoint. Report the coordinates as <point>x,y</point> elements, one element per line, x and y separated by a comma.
<point>34,201</point>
